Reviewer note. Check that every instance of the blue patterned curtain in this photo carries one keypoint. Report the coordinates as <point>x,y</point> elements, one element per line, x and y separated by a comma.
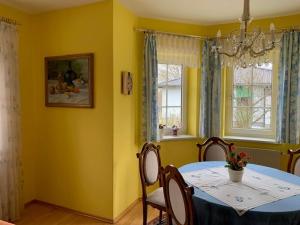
<point>288,122</point>
<point>149,98</point>
<point>210,115</point>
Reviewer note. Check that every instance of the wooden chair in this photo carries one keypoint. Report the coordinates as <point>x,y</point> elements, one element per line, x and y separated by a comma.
<point>178,196</point>
<point>150,173</point>
<point>294,164</point>
<point>214,149</point>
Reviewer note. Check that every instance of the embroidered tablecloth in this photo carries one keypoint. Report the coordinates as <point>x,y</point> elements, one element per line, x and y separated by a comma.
<point>255,190</point>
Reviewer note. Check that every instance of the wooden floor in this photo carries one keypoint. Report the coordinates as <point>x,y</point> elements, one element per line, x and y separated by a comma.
<point>40,214</point>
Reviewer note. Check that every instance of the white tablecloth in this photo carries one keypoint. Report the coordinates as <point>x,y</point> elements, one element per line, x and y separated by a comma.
<point>255,190</point>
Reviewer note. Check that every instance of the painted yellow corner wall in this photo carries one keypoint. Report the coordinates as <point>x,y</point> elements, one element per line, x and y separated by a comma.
<point>75,146</point>
<point>125,147</point>
<point>28,103</point>
<point>192,101</point>
<point>84,159</point>
<point>169,26</point>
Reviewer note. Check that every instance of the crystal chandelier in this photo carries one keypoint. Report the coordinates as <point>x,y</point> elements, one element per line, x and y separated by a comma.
<point>243,48</point>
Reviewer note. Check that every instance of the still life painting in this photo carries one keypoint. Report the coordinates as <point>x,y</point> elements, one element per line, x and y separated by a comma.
<point>69,81</point>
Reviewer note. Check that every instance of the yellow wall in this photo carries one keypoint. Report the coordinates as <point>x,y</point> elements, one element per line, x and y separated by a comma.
<point>75,146</point>
<point>84,159</point>
<point>125,147</point>
<point>168,26</point>
<point>192,101</point>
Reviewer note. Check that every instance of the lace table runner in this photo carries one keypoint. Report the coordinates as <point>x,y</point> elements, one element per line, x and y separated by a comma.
<point>255,190</point>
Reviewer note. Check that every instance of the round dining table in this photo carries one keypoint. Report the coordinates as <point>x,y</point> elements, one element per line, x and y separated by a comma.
<point>211,211</point>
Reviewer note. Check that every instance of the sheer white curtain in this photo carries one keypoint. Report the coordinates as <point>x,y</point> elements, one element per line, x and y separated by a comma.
<point>10,162</point>
<point>172,49</point>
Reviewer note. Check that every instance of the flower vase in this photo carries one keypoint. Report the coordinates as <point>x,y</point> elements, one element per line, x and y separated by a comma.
<point>235,175</point>
<point>175,132</point>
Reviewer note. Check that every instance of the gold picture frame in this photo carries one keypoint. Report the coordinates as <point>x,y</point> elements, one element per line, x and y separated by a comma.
<point>69,81</point>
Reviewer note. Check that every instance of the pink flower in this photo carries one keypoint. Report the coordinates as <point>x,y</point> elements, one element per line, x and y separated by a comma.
<point>243,154</point>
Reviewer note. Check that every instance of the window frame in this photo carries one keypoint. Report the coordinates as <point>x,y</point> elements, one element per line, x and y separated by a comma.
<point>183,128</point>
<point>259,133</point>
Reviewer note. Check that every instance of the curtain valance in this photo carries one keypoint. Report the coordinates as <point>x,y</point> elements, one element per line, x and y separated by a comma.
<point>172,49</point>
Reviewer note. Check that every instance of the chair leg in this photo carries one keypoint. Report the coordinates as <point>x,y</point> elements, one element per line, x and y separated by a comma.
<point>160,216</point>
<point>144,214</point>
<point>169,220</point>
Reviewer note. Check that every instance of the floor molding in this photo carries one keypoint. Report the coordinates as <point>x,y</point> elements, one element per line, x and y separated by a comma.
<point>127,210</point>
<point>28,203</point>
<point>102,219</point>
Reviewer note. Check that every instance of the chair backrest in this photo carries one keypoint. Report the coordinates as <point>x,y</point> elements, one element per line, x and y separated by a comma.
<point>178,197</point>
<point>294,162</point>
<point>150,166</point>
<point>214,149</point>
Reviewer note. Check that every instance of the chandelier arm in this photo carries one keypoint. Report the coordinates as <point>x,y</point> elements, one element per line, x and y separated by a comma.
<point>254,39</point>
<point>228,54</point>
<point>246,45</point>
<point>239,48</point>
<point>255,54</point>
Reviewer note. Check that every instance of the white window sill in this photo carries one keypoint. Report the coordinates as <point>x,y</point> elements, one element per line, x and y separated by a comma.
<point>177,138</point>
<point>249,139</point>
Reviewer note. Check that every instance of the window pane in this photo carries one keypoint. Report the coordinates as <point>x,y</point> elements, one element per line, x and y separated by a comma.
<point>268,101</point>
<point>262,76</point>
<point>241,96</point>
<point>241,117</point>
<point>243,76</point>
<point>260,116</point>
<point>252,97</point>
<point>170,94</point>
<point>162,115</point>
<point>162,96</point>
<point>258,96</point>
<point>174,73</point>
<point>159,97</point>
<point>162,74</point>
<point>268,119</point>
<point>174,96</point>
<point>174,116</point>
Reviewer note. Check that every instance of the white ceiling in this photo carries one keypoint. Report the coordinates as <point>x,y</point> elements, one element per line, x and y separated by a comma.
<point>38,6</point>
<point>210,11</point>
<point>193,11</point>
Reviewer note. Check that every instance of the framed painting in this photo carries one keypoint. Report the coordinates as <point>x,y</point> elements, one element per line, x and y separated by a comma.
<point>69,81</point>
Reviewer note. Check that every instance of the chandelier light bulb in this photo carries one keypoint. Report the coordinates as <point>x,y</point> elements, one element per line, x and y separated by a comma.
<point>243,26</point>
<point>272,27</point>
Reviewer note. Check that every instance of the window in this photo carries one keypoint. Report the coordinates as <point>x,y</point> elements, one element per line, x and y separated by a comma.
<point>170,96</point>
<point>252,103</point>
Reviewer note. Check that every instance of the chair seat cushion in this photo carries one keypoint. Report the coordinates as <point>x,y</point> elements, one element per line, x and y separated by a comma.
<point>157,197</point>
<point>5,223</point>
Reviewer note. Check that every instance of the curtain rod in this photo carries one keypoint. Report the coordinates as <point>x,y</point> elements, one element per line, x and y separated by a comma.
<point>8,20</point>
<point>293,28</point>
<point>170,33</point>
